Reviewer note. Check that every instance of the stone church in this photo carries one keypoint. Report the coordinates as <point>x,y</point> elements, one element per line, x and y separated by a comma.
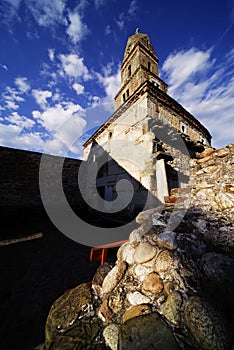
<point>148,138</point>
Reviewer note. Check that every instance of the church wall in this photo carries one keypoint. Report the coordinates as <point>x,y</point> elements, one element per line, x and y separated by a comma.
<point>167,116</point>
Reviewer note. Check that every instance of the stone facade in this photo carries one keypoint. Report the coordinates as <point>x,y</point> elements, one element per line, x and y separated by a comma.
<point>212,180</point>
<point>147,126</point>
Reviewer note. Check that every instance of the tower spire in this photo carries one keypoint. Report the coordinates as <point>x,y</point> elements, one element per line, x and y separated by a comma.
<point>140,64</point>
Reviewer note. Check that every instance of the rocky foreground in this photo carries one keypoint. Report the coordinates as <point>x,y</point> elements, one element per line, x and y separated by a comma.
<point>169,289</point>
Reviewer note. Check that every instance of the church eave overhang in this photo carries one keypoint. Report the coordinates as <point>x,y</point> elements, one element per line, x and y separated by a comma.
<point>165,99</point>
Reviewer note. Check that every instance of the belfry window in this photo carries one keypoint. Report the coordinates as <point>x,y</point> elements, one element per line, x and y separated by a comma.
<point>183,128</point>
<point>129,71</point>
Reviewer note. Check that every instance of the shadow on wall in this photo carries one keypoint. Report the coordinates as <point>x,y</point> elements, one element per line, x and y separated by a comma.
<point>34,273</point>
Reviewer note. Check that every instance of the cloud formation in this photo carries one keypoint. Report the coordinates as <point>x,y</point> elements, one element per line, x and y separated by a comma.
<point>73,67</point>
<point>22,84</point>
<point>76,30</point>
<point>205,88</point>
<point>41,97</point>
<point>46,12</point>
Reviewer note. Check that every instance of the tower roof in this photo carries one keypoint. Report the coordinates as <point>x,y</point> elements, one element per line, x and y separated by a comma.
<point>136,39</point>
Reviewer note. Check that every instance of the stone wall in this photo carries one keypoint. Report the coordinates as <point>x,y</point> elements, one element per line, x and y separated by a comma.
<point>19,186</point>
<point>212,180</point>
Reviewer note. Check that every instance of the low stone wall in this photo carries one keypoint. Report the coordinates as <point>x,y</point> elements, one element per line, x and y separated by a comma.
<point>212,180</point>
<point>160,293</point>
<point>21,206</point>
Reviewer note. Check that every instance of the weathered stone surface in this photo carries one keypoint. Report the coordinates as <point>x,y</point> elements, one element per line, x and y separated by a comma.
<point>135,311</point>
<point>219,276</point>
<point>113,277</point>
<point>203,160</point>
<point>222,241</point>
<point>168,287</point>
<point>205,325</point>
<point>223,152</point>
<point>152,284</point>
<point>104,312</point>
<point>146,332</point>
<point>116,301</point>
<point>140,271</point>
<point>165,262</point>
<point>171,309</point>
<point>137,298</point>
<point>210,169</point>
<point>164,284</point>
<point>126,253</point>
<point>68,309</point>
<point>144,252</point>
<point>98,278</point>
<point>136,235</point>
<point>201,224</point>
<point>111,336</point>
<point>166,239</point>
<point>229,188</point>
<point>206,153</point>
<point>225,200</point>
<point>145,216</point>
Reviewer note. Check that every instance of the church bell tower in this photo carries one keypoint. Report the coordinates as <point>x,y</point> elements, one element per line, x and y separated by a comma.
<point>140,64</point>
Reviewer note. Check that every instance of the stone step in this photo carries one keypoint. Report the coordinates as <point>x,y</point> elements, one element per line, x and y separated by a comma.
<point>175,199</point>
<point>180,191</point>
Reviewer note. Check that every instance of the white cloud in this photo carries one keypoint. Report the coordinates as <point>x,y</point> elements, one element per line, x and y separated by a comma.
<point>127,16</point>
<point>46,12</point>
<point>205,88</point>
<point>13,136</point>
<point>65,124</point>
<point>10,104</point>
<point>111,82</point>
<point>4,66</point>
<point>11,96</point>
<point>51,54</point>
<point>20,120</point>
<point>73,66</point>
<point>76,29</point>
<point>79,89</point>
<point>54,116</point>
<point>107,29</point>
<point>99,3</point>
<point>120,21</point>
<point>9,11</point>
<point>41,97</point>
<point>182,65</point>
<point>22,84</point>
<point>132,8</point>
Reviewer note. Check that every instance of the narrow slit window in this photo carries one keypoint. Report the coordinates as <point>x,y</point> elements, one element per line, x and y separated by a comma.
<point>183,128</point>
<point>129,71</point>
<point>149,66</point>
<point>124,98</point>
<point>127,93</point>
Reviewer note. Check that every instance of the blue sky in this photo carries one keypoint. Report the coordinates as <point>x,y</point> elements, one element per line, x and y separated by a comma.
<point>60,59</point>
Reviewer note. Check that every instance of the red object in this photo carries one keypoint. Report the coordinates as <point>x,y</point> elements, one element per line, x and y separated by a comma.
<point>99,253</point>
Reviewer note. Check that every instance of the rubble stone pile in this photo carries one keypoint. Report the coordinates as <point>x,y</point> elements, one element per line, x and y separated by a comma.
<point>167,290</point>
<point>172,284</point>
